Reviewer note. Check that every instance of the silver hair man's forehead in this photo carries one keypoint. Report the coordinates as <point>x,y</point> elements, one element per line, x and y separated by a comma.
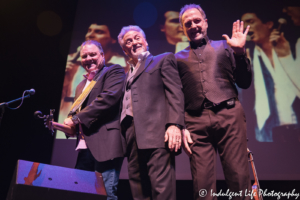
<point>126,29</point>
<point>188,7</point>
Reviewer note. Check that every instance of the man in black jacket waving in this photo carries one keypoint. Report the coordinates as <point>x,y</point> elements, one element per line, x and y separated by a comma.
<point>214,117</point>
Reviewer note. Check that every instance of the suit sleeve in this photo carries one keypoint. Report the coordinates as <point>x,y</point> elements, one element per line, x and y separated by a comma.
<point>109,97</point>
<point>242,71</point>
<point>173,90</point>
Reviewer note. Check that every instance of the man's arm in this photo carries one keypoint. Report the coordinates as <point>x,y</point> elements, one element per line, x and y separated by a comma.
<point>174,95</point>
<point>109,97</point>
<point>242,73</point>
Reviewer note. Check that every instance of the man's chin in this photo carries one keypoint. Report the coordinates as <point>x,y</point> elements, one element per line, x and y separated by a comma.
<point>197,38</point>
<point>138,52</point>
<point>93,68</point>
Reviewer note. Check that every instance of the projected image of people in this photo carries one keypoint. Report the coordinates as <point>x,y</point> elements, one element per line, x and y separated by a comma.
<point>275,85</point>
<point>169,25</point>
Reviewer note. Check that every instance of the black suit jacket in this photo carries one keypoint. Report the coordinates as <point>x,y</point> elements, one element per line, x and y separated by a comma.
<point>157,99</point>
<point>99,114</point>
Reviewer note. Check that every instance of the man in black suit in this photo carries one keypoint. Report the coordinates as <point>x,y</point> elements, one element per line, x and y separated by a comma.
<point>96,116</point>
<point>214,118</point>
<point>151,117</point>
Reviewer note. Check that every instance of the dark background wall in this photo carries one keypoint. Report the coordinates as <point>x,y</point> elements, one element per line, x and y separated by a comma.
<point>31,59</point>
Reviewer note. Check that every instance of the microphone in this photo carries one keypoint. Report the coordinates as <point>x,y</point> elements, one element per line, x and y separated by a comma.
<point>248,37</point>
<point>31,91</point>
<point>281,21</point>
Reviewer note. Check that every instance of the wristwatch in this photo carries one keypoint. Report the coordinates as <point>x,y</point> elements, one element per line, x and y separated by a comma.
<point>75,119</point>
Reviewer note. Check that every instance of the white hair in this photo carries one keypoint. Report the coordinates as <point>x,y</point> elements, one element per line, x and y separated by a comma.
<point>126,29</point>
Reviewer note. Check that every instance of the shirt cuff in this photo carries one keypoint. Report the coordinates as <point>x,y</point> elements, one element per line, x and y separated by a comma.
<point>75,119</point>
<point>177,125</point>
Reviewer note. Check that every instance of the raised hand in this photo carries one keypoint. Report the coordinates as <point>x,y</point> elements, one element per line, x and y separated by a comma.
<point>281,45</point>
<point>238,39</point>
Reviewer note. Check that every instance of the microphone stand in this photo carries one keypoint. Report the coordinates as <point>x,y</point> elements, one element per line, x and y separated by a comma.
<point>5,104</point>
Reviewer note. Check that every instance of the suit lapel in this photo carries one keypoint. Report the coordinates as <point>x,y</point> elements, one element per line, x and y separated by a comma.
<point>125,82</point>
<point>83,83</point>
<point>79,89</point>
<point>141,68</point>
<point>100,73</point>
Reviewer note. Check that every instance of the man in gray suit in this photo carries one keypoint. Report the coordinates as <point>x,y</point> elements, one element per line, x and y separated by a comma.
<point>152,117</point>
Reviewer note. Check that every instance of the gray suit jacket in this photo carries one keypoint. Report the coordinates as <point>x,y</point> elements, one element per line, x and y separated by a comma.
<point>157,99</point>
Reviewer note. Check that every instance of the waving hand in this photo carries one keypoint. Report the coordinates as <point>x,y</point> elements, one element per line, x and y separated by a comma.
<point>238,39</point>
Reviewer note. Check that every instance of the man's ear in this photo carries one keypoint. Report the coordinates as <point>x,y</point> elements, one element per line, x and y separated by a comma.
<point>270,24</point>
<point>124,51</point>
<point>113,41</point>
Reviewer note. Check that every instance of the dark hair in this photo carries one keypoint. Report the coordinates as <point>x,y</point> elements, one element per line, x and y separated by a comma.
<point>188,7</point>
<point>97,44</point>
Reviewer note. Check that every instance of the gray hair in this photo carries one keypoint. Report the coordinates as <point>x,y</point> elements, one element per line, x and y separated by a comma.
<point>97,44</point>
<point>126,29</point>
<point>188,7</point>
<point>89,42</point>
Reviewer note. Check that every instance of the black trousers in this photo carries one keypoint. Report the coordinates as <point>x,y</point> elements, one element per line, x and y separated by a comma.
<point>221,130</point>
<point>151,171</point>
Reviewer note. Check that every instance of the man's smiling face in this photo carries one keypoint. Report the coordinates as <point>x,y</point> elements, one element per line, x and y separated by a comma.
<point>91,57</point>
<point>134,44</point>
<point>194,25</point>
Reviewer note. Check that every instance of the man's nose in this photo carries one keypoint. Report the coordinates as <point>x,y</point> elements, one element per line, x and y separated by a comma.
<point>90,34</point>
<point>193,25</point>
<point>134,42</point>
<point>88,58</point>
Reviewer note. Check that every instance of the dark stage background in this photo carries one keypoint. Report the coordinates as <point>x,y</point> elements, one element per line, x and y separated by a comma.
<point>36,39</point>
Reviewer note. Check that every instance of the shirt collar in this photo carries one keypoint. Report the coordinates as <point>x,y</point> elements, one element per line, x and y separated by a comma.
<point>141,58</point>
<point>90,76</point>
<point>204,41</point>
